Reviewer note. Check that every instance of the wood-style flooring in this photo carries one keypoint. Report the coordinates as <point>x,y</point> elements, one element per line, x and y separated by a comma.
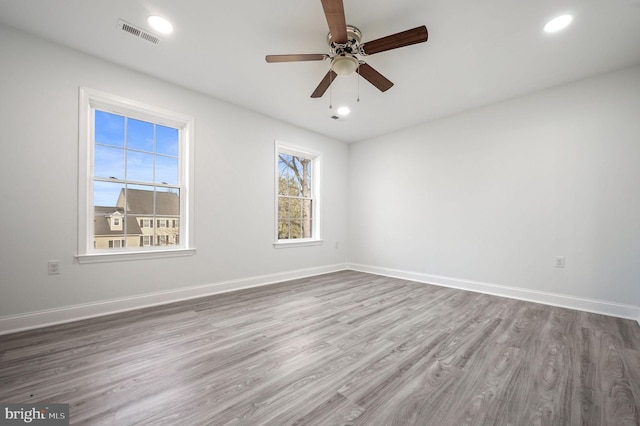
<point>337,349</point>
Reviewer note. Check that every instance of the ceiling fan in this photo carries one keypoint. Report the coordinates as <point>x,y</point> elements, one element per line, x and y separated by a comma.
<point>345,47</point>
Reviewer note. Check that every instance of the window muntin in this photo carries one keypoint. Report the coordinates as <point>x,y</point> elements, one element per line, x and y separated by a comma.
<point>297,190</point>
<point>138,170</point>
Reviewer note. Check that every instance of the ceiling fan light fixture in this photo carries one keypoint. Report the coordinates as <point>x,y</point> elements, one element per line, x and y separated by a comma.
<point>344,65</point>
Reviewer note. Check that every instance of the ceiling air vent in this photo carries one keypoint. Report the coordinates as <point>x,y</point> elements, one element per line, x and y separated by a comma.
<point>138,32</point>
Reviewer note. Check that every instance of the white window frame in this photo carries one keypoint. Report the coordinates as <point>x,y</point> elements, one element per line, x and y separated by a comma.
<point>90,100</point>
<point>316,185</point>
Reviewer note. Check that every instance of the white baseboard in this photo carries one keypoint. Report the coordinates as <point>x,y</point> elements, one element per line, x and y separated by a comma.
<point>582,304</point>
<point>31,320</point>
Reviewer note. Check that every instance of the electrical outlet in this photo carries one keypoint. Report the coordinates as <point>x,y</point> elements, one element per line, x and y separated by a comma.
<point>54,267</point>
<point>559,262</point>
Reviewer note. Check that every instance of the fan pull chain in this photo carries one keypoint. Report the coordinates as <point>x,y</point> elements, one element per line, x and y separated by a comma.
<point>330,90</point>
<point>358,100</point>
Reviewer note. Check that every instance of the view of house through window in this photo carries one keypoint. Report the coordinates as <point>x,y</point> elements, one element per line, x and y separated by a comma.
<point>296,199</point>
<point>136,183</point>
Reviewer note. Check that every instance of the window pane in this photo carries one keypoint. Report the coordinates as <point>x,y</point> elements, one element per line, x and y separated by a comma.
<point>109,128</point>
<point>109,162</point>
<point>283,229</point>
<point>306,219</point>
<point>139,135</point>
<point>139,166</point>
<point>294,187</point>
<point>106,193</point>
<point>295,208</point>
<point>294,175</point>
<point>107,215</point>
<point>168,203</point>
<point>166,140</point>
<point>167,170</point>
<point>283,208</point>
<point>295,229</point>
<point>288,186</point>
<point>289,183</point>
<point>306,208</point>
<point>167,215</point>
<point>140,200</point>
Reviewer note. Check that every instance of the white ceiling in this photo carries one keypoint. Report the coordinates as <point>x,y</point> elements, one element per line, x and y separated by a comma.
<point>478,52</point>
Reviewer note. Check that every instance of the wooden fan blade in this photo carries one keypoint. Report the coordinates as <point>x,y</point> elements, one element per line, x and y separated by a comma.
<point>394,41</point>
<point>374,77</point>
<point>324,84</point>
<point>334,12</point>
<point>296,58</point>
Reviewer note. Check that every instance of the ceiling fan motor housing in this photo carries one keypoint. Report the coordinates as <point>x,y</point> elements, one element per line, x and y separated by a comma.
<point>354,36</point>
<point>344,60</point>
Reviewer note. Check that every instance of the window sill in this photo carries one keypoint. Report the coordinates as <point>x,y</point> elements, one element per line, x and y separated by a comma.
<point>296,243</point>
<point>133,255</point>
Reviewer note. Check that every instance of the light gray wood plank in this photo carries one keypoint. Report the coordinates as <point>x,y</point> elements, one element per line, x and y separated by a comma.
<point>336,349</point>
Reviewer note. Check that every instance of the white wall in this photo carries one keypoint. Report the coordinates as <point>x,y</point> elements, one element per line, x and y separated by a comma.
<point>234,182</point>
<point>491,196</point>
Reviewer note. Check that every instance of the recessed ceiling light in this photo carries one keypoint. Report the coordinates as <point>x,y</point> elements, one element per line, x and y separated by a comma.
<point>343,110</point>
<point>160,24</point>
<point>558,23</point>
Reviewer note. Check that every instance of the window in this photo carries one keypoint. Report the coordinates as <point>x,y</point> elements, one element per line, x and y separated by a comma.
<point>135,167</point>
<point>116,243</point>
<point>297,196</point>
